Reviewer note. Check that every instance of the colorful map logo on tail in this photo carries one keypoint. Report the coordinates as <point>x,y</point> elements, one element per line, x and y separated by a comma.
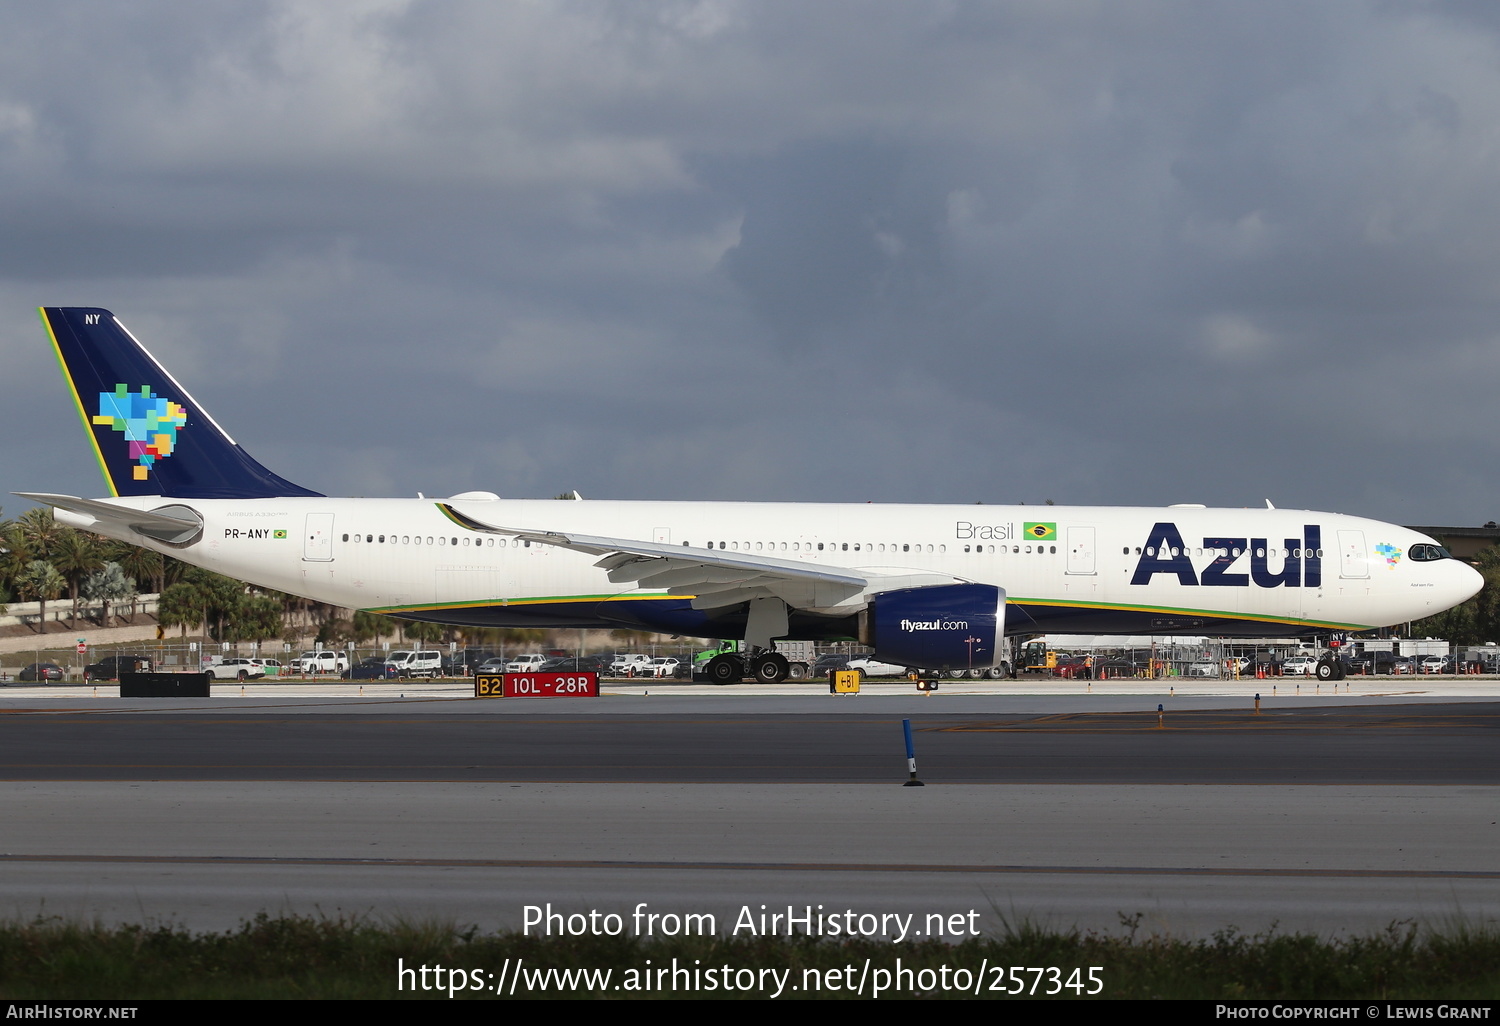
<point>149,424</point>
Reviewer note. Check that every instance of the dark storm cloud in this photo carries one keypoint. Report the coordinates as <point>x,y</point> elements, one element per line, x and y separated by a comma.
<point>1085,251</point>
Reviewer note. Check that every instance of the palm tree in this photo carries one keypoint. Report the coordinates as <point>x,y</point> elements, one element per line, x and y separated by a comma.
<point>40,531</point>
<point>76,555</point>
<point>145,565</point>
<point>109,584</point>
<point>41,581</point>
<point>181,605</point>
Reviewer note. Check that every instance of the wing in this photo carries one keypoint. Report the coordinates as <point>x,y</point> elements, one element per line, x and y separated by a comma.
<point>713,577</point>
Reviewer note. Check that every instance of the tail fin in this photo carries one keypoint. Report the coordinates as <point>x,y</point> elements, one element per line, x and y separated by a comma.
<point>150,436</point>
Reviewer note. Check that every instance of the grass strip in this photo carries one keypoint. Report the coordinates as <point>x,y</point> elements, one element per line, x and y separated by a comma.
<point>300,957</point>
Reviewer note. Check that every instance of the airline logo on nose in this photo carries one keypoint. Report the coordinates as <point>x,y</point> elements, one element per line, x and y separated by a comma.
<point>149,423</point>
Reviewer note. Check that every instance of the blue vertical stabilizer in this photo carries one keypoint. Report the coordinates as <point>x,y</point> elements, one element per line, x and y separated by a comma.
<point>150,436</point>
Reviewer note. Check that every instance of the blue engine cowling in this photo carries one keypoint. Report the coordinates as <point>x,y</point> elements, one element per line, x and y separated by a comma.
<point>939,627</point>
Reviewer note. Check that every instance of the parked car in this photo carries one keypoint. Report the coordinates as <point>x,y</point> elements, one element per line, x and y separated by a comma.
<point>660,667</point>
<point>575,664</point>
<point>826,664</point>
<point>236,669</point>
<point>415,663</point>
<point>1434,664</point>
<point>272,667</point>
<point>529,663</point>
<point>869,666</point>
<point>1204,668</point>
<point>1300,666</point>
<point>42,672</point>
<point>110,667</point>
<point>628,665</point>
<point>1078,666</point>
<point>371,668</point>
<point>322,661</point>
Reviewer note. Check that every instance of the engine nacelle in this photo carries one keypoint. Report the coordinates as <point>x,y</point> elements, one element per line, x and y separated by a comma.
<point>945,626</point>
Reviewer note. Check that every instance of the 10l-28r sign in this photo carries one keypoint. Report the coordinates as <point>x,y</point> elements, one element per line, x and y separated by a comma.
<point>536,685</point>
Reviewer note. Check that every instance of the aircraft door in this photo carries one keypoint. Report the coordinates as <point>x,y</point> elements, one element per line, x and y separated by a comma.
<point>317,538</point>
<point>1354,561</point>
<point>1081,550</point>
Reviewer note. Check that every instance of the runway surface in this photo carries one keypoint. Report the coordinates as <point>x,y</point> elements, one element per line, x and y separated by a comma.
<point>1333,817</point>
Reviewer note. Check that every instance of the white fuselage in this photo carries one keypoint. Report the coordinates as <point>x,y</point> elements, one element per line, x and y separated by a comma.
<point>1081,569</point>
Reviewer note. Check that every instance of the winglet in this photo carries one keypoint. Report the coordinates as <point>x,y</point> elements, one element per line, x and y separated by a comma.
<point>149,435</point>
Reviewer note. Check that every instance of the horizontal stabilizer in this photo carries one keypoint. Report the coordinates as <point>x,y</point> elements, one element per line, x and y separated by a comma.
<point>175,524</point>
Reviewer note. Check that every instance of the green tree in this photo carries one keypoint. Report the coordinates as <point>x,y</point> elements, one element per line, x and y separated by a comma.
<point>372,626</point>
<point>41,581</point>
<point>416,630</point>
<point>335,632</point>
<point>109,584</point>
<point>254,618</point>
<point>180,605</point>
<point>40,531</point>
<point>77,555</point>
<point>146,566</point>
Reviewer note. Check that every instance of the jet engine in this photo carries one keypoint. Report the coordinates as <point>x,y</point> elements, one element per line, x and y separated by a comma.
<point>946,626</point>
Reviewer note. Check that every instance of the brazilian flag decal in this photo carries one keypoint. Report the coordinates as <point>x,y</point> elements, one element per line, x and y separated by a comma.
<point>1041,532</point>
<point>278,534</point>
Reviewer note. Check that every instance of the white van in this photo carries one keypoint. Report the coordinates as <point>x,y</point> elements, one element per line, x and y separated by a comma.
<point>415,664</point>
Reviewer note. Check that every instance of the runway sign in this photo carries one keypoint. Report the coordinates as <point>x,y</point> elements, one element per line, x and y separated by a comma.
<point>536,685</point>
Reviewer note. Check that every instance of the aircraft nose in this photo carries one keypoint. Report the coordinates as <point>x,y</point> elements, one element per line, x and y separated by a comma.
<point>1465,584</point>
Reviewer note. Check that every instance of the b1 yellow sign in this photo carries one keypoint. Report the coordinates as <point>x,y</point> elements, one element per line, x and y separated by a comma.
<point>845,682</point>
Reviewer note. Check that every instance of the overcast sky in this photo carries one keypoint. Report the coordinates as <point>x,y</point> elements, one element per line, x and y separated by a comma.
<point>1096,252</point>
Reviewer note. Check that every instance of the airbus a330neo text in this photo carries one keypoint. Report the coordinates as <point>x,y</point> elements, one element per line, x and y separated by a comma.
<point>927,586</point>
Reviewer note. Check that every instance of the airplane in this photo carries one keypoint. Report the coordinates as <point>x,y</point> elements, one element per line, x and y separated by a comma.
<point>933,586</point>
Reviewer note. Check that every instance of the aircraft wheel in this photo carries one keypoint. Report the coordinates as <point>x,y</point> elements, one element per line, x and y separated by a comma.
<point>996,672</point>
<point>724,669</point>
<point>797,671</point>
<point>771,669</point>
<point>1326,671</point>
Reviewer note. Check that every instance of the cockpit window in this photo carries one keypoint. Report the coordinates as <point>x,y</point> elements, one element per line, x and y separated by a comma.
<point>1427,553</point>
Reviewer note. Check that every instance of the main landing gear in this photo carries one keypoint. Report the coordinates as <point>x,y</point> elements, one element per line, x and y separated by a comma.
<point>764,667</point>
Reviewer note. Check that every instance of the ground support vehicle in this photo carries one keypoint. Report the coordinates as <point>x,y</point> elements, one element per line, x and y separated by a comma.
<point>727,664</point>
